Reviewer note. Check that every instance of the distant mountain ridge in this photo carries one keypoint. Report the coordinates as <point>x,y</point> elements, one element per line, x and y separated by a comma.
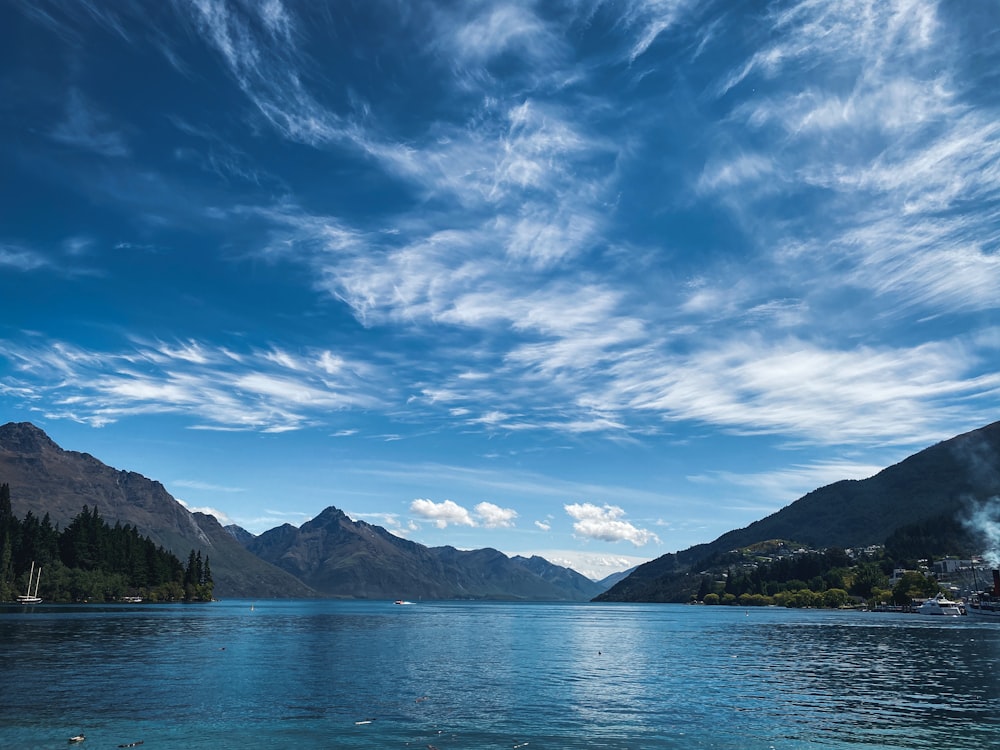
<point>331,555</point>
<point>951,479</point>
<point>341,557</point>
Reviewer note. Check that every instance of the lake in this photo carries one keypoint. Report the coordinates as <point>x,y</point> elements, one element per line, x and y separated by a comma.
<point>448,675</point>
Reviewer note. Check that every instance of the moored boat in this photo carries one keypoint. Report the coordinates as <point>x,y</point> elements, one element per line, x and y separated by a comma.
<point>940,605</point>
<point>31,597</point>
<point>986,604</point>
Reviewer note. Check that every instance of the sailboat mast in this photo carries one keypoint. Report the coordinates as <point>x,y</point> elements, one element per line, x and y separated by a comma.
<point>38,580</point>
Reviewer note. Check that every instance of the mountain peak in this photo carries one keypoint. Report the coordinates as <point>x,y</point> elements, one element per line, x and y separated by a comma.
<point>331,513</point>
<point>24,437</point>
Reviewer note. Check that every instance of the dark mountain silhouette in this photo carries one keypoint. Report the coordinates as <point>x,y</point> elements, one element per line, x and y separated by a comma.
<point>341,557</point>
<point>954,479</point>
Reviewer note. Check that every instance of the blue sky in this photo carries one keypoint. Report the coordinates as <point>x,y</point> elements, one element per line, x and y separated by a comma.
<point>591,280</point>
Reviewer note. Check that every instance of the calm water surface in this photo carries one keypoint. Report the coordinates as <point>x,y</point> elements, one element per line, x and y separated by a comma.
<point>451,675</point>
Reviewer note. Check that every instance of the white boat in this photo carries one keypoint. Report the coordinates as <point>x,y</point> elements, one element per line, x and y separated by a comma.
<point>986,604</point>
<point>31,597</point>
<point>939,605</point>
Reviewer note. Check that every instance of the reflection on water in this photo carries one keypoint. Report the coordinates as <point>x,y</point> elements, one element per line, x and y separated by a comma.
<point>302,674</point>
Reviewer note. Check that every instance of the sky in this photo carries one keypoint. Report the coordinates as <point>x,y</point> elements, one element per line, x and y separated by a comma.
<point>591,280</point>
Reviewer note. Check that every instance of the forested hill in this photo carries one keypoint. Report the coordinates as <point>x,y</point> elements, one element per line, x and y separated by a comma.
<point>92,561</point>
<point>954,480</point>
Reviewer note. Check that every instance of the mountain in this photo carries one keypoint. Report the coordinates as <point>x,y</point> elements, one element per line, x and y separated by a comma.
<point>340,557</point>
<point>330,555</point>
<point>45,479</point>
<point>565,578</point>
<point>954,479</point>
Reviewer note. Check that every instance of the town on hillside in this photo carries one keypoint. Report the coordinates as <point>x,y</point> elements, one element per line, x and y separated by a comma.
<point>780,573</point>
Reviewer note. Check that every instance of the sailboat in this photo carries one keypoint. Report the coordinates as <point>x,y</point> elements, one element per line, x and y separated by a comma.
<point>31,597</point>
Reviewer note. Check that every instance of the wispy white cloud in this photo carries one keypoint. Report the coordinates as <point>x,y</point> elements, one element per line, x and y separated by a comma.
<point>798,388</point>
<point>194,484</point>
<point>85,127</point>
<point>20,258</point>
<point>651,19</point>
<point>488,30</point>
<point>208,385</point>
<point>887,142</point>
<point>269,73</point>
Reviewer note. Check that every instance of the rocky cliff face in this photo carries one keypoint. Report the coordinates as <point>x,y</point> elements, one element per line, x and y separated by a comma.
<point>44,478</point>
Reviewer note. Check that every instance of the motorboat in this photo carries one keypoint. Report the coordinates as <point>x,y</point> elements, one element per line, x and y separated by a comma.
<point>940,605</point>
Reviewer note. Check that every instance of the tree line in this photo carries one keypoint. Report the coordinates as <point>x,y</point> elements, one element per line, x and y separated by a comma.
<point>92,561</point>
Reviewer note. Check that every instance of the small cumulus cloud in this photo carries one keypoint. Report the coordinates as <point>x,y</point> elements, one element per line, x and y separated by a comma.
<point>485,514</point>
<point>543,525</point>
<point>606,524</point>
<point>442,514</point>
<point>494,517</point>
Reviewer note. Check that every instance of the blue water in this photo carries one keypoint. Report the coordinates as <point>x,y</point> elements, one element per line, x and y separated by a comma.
<point>493,675</point>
